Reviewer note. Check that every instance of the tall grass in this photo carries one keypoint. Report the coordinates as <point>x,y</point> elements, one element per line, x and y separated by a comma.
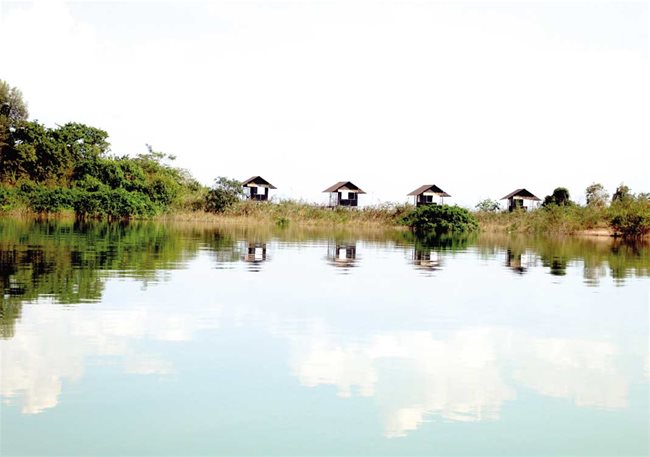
<point>552,220</point>
<point>290,212</point>
<point>628,219</point>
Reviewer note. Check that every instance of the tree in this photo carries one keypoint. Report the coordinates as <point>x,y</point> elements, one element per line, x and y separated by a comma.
<point>488,205</point>
<point>622,194</point>
<point>13,110</point>
<point>560,197</point>
<point>12,104</point>
<point>596,195</point>
<point>225,193</point>
<point>81,142</point>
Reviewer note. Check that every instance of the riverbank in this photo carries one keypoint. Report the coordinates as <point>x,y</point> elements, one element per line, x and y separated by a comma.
<point>555,220</point>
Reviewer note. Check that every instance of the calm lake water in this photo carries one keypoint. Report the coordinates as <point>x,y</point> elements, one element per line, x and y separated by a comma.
<point>149,339</point>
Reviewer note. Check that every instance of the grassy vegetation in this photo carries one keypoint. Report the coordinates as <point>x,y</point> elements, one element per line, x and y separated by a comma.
<point>628,218</point>
<point>292,212</point>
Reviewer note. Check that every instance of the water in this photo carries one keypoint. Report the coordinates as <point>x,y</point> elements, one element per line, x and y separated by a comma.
<point>194,340</point>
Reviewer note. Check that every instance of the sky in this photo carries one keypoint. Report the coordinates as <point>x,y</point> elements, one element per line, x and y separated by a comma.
<point>478,98</point>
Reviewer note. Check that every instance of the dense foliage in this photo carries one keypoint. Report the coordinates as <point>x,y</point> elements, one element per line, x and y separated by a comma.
<point>440,219</point>
<point>223,195</point>
<point>630,216</point>
<point>69,168</point>
<point>559,197</point>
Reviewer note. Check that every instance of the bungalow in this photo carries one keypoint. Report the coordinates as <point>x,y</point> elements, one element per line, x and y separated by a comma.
<point>257,188</point>
<point>344,193</point>
<point>518,198</point>
<point>424,194</point>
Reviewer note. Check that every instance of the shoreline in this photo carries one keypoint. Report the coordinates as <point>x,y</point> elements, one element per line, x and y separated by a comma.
<point>352,222</point>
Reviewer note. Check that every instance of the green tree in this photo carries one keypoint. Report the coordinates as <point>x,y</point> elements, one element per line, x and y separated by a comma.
<point>560,197</point>
<point>81,142</point>
<point>488,206</point>
<point>13,110</point>
<point>225,193</point>
<point>622,194</point>
<point>596,195</point>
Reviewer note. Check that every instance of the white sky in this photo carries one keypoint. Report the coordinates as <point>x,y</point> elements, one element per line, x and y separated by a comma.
<point>479,98</point>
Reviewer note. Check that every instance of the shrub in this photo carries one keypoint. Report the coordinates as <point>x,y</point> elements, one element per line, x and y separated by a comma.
<point>44,200</point>
<point>630,217</point>
<point>8,198</point>
<point>440,219</point>
<point>113,204</point>
<point>224,194</point>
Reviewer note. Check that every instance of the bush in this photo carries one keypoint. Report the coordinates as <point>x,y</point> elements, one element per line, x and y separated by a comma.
<point>113,204</point>
<point>8,198</point>
<point>44,200</point>
<point>224,194</point>
<point>440,219</point>
<point>630,217</point>
<point>163,190</point>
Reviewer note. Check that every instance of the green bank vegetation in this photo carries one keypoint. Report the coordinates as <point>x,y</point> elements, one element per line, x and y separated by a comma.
<point>70,170</point>
<point>626,214</point>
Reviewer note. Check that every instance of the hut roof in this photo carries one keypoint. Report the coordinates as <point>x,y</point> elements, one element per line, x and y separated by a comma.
<point>523,194</point>
<point>341,184</point>
<point>259,182</point>
<point>430,188</point>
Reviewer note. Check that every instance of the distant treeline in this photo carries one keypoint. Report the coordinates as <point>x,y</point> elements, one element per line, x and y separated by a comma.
<point>70,168</point>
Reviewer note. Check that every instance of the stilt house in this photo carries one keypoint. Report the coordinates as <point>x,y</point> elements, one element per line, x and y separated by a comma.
<point>521,199</point>
<point>429,194</point>
<point>344,193</point>
<point>257,188</point>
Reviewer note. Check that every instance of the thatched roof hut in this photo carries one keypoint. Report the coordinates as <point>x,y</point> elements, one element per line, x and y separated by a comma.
<point>344,193</point>
<point>253,185</point>
<point>425,194</point>
<point>517,197</point>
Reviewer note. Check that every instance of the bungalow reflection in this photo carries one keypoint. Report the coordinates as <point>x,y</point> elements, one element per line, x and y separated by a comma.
<point>519,261</point>
<point>426,259</point>
<point>255,255</point>
<point>342,254</point>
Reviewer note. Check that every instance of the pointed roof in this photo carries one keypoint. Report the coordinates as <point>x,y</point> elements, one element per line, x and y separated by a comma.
<point>522,193</point>
<point>430,188</point>
<point>259,181</point>
<point>341,184</point>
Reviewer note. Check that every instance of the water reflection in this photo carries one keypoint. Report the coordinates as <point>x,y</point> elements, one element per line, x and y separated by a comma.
<point>146,305</point>
<point>426,258</point>
<point>466,376</point>
<point>518,261</point>
<point>255,255</point>
<point>598,257</point>
<point>342,254</point>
